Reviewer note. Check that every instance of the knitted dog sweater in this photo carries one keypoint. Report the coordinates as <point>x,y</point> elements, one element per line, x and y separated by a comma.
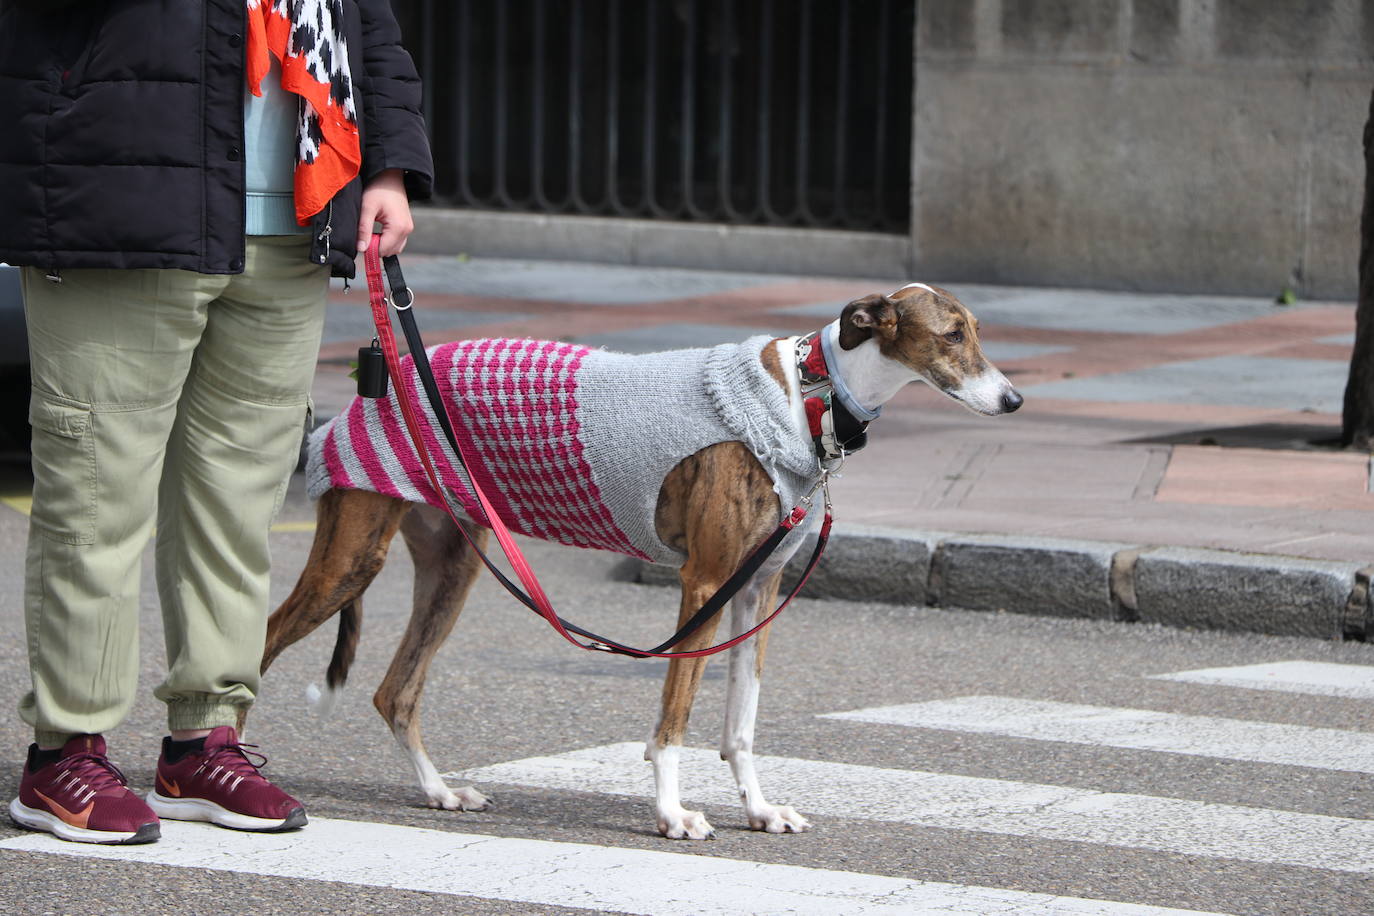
<point>570,444</point>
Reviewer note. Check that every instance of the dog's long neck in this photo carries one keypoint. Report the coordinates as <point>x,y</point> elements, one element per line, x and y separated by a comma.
<point>871,378</point>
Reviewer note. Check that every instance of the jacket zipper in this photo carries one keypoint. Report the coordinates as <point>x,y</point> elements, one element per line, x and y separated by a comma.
<point>323,237</point>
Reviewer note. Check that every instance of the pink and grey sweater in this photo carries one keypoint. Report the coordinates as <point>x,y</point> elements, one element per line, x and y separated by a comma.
<point>570,444</point>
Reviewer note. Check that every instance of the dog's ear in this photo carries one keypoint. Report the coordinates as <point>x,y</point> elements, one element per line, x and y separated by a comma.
<point>862,318</point>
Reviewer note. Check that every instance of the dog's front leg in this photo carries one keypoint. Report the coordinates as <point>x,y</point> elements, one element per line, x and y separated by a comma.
<point>679,689</point>
<point>716,505</point>
<point>741,709</point>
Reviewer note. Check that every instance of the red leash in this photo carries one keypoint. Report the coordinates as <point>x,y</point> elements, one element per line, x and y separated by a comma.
<point>532,595</point>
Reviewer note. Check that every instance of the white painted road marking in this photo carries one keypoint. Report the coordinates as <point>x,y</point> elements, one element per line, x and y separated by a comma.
<point>1325,679</point>
<point>972,803</point>
<point>564,874</point>
<point>1138,729</point>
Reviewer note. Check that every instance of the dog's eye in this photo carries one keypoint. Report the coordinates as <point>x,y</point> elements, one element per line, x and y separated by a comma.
<point>955,337</point>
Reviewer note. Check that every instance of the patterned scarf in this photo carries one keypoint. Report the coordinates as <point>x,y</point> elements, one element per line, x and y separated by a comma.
<point>306,37</point>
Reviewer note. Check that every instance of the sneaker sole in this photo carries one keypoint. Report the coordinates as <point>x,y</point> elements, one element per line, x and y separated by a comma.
<point>46,821</point>
<point>201,809</point>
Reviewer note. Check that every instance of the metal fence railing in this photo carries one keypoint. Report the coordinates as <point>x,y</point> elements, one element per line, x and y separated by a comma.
<point>771,112</point>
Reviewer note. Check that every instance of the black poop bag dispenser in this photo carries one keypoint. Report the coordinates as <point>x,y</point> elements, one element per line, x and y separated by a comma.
<point>372,371</point>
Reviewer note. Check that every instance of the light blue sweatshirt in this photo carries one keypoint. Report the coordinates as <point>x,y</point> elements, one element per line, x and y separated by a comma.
<point>269,138</point>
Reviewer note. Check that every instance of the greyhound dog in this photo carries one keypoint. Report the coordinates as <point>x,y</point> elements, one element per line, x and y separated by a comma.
<point>689,456</point>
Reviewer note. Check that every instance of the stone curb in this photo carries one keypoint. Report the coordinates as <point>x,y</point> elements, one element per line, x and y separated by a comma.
<point>661,243</point>
<point>1183,587</point>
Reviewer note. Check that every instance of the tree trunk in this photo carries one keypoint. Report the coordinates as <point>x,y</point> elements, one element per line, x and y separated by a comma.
<point>1357,418</point>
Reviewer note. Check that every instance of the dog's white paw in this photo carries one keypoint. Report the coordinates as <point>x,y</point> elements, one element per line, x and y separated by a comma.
<point>682,824</point>
<point>778,819</point>
<point>464,799</point>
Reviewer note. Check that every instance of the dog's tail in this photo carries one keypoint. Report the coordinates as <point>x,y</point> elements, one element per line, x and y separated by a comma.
<point>345,649</point>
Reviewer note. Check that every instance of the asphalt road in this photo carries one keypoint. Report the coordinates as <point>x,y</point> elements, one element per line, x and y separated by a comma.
<point>506,689</point>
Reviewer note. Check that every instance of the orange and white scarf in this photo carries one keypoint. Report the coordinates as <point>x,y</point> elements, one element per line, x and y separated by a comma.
<point>306,37</point>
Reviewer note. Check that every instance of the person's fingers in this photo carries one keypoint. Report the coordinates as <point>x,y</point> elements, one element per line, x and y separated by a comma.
<point>366,218</point>
<point>397,224</point>
<point>385,203</point>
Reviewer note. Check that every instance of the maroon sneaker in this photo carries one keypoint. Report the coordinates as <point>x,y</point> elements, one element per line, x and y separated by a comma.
<point>81,796</point>
<point>220,784</point>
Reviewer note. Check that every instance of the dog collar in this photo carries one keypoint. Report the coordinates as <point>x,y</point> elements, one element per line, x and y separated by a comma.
<point>836,421</point>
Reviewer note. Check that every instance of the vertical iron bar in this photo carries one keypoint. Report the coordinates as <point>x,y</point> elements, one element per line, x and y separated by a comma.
<point>575,199</point>
<point>687,99</point>
<point>613,199</point>
<point>653,41</point>
<point>501,129</point>
<point>800,207</point>
<point>838,129</point>
<point>539,108</point>
<point>880,115</point>
<point>728,25</point>
<point>765,117</point>
<point>462,102</point>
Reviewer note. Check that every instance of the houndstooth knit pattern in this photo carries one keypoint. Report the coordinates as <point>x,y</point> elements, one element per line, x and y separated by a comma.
<point>570,444</point>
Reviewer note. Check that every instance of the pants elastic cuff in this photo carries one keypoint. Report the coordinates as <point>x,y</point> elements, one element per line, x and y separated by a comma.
<point>47,739</point>
<point>195,716</point>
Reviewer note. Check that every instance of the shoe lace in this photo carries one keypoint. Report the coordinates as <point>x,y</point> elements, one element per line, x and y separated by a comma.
<point>94,770</point>
<point>237,760</point>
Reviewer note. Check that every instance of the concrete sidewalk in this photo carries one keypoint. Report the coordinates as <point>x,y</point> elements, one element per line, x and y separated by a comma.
<point>1172,462</point>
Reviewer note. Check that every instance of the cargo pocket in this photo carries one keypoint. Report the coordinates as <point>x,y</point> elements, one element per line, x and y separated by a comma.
<point>306,427</point>
<point>64,505</point>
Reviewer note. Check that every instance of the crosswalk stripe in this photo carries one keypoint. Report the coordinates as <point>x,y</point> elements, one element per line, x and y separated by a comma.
<point>972,803</point>
<point>22,504</point>
<point>1326,679</point>
<point>565,874</point>
<point>1138,729</point>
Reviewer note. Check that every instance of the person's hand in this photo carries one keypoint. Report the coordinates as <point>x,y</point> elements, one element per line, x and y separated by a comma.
<point>385,202</point>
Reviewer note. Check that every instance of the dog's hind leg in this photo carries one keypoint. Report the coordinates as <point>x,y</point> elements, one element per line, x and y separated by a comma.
<point>353,529</point>
<point>445,569</point>
<point>754,602</point>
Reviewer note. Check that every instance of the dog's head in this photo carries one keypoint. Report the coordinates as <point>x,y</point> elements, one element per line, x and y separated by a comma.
<point>931,333</point>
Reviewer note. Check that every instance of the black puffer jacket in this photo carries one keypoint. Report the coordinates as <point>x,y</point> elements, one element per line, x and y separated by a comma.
<point>121,130</point>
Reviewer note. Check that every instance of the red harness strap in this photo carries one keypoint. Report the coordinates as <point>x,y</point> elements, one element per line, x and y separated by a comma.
<point>533,596</point>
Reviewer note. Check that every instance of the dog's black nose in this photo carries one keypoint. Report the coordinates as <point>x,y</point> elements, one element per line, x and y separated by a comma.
<point>1011,400</point>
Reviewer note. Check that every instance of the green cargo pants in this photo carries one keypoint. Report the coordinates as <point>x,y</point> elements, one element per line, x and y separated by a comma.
<point>171,398</point>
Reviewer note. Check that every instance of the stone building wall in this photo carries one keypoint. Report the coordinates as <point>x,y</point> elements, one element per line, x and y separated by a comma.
<point>1186,145</point>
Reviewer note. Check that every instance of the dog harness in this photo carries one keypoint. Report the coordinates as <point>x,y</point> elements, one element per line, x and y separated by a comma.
<point>571,444</point>
<point>838,423</point>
